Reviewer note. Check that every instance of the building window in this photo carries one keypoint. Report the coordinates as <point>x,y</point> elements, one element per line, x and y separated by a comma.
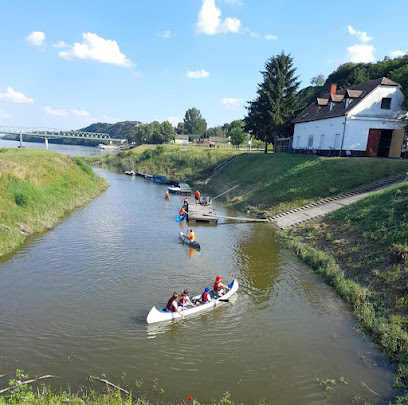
<point>321,146</point>
<point>310,144</point>
<point>386,103</point>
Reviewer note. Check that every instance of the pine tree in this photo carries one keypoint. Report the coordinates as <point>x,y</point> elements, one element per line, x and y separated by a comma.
<point>269,115</point>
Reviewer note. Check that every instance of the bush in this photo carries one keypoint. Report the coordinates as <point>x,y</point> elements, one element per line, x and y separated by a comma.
<point>21,198</point>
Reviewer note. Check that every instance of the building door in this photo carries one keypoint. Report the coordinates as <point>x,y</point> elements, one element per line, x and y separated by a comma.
<point>396,143</point>
<point>373,142</point>
<point>385,142</point>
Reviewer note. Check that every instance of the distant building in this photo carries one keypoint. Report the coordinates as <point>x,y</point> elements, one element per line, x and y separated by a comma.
<point>363,120</point>
<point>181,140</point>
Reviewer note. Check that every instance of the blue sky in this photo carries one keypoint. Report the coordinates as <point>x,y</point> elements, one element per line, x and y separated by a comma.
<point>68,64</point>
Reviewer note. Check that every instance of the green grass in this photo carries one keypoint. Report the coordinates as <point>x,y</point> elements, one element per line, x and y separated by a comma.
<point>277,183</point>
<point>37,188</point>
<point>362,251</point>
<point>19,390</point>
<point>178,163</point>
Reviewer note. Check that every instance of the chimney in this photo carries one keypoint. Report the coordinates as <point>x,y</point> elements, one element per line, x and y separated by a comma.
<point>333,88</point>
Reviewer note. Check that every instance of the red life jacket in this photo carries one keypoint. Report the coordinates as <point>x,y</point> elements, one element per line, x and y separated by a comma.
<point>205,297</point>
<point>183,299</point>
<point>217,286</point>
<point>169,306</point>
<point>197,194</point>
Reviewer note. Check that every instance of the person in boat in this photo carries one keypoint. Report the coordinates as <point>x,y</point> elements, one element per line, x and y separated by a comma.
<point>205,296</point>
<point>167,194</point>
<point>184,300</point>
<point>172,305</point>
<point>197,197</point>
<point>182,211</point>
<point>191,235</point>
<point>219,288</point>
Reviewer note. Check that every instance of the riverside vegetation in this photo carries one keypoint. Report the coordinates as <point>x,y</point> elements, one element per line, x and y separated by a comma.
<point>362,252</point>
<point>37,188</point>
<point>179,163</point>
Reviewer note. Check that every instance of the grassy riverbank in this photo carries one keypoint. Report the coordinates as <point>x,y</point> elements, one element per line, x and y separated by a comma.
<point>20,390</point>
<point>37,188</point>
<point>362,251</point>
<point>276,183</point>
<point>178,163</point>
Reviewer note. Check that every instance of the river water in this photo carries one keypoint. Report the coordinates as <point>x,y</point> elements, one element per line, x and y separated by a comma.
<point>74,300</point>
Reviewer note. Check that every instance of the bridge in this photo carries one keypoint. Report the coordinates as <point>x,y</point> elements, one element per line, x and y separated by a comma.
<point>47,133</point>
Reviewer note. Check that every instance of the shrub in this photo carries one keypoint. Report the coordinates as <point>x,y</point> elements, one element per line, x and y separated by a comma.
<point>21,198</point>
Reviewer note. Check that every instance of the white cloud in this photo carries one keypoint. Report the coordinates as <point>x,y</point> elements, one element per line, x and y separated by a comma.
<point>15,97</point>
<point>210,23</point>
<point>61,44</point>
<point>165,34</point>
<point>80,113</point>
<point>252,34</point>
<point>51,111</point>
<point>360,53</point>
<point>397,54</point>
<point>198,74</point>
<point>174,120</point>
<point>111,120</point>
<point>270,37</point>
<point>362,36</point>
<point>95,48</point>
<point>36,38</point>
<point>232,102</point>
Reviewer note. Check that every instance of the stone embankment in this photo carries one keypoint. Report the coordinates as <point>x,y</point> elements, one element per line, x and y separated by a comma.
<point>323,207</point>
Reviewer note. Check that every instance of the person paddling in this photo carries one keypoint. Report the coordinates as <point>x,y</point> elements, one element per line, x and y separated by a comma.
<point>166,194</point>
<point>182,211</point>
<point>219,288</point>
<point>191,235</point>
<point>185,300</point>
<point>205,296</point>
<point>172,305</point>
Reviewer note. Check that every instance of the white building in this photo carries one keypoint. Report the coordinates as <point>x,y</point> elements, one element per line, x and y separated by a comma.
<point>363,120</point>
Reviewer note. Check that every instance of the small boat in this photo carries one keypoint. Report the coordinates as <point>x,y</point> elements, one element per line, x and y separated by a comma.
<point>160,315</point>
<point>162,179</point>
<point>186,240</point>
<point>130,173</point>
<point>180,217</point>
<point>174,189</point>
<point>148,176</point>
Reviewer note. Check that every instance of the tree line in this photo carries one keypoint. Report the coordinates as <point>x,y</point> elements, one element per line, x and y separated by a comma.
<point>278,101</point>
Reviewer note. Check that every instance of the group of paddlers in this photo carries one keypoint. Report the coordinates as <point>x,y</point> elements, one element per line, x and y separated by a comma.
<point>183,300</point>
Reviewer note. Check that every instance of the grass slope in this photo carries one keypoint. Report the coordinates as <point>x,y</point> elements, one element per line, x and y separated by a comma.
<point>37,188</point>
<point>277,183</point>
<point>179,163</point>
<point>362,251</point>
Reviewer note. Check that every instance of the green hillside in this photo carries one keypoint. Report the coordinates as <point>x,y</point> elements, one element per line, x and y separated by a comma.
<point>37,188</point>
<point>271,184</point>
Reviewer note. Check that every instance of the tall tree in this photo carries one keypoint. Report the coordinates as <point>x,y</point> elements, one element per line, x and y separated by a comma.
<point>167,132</point>
<point>237,132</point>
<point>269,115</point>
<point>180,128</point>
<point>317,80</point>
<point>194,123</point>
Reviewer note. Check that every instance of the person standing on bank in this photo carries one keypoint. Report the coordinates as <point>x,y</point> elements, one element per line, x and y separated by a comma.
<point>197,197</point>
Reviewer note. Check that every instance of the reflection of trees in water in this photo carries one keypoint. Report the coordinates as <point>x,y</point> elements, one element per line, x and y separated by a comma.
<point>257,260</point>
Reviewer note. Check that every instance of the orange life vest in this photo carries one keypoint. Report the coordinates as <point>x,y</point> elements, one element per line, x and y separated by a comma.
<point>192,236</point>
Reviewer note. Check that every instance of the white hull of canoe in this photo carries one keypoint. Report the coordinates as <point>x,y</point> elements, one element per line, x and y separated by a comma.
<point>159,315</point>
<point>186,240</point>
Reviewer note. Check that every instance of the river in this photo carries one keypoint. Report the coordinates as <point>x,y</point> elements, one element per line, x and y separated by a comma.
<point>74,301</point>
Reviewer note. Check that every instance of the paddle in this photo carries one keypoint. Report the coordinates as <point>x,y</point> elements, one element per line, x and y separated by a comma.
<point>226,300</point>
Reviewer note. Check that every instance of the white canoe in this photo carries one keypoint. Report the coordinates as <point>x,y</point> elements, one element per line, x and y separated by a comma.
<point>160,315</point>
<point>186,240</point>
